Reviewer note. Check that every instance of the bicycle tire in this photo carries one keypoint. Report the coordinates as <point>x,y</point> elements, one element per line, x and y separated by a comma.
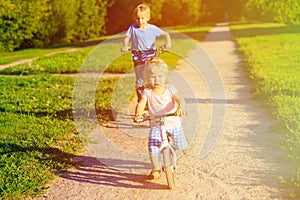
<point>168,167</point>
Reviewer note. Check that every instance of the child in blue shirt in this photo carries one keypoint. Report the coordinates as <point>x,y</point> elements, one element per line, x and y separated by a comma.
<point>142,37</point>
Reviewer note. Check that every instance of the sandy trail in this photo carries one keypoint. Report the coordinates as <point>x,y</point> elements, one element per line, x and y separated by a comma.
<point>243,164</point>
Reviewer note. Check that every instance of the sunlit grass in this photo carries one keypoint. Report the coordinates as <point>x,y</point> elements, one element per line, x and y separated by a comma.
<point>272,56</point>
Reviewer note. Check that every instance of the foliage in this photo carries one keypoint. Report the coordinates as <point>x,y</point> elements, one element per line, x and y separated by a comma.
<point>215,10</point>
<point>47,22</point>
<point>41,23</point>
<point>271,53</point>
<point>83,19</point>
<point>273,10</point>
<point>21,21</point>
<point>163,13</point>
<point>167,13</point>
<point>114,24</point>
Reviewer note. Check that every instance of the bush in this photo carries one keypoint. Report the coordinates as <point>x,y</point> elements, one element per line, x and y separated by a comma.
<point>31,23</point>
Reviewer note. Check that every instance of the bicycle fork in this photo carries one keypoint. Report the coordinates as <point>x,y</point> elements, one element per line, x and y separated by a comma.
<point>165,143</point>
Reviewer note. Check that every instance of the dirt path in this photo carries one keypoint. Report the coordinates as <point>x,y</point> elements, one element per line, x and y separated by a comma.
<point>33,59</point>
<point>244,163</point>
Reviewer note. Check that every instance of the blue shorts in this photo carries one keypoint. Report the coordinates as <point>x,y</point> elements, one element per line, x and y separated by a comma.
<point>154,139</point>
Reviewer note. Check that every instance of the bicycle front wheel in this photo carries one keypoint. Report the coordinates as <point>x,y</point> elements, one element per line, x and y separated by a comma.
<point>169,167</point>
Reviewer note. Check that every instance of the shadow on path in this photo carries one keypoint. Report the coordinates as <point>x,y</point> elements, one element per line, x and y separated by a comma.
<point>90,170</point>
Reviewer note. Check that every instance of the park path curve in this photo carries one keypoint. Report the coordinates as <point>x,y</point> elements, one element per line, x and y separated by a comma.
<point>29,60</point>
<point>244,163</point>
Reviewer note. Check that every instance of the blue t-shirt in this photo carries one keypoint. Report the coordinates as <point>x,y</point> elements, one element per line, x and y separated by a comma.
<point>143,40</point>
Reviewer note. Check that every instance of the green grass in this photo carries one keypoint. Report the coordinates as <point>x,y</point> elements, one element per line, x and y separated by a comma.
<point>37,132</point>
<point>38,95</point>
<point>271,54</point>
<point>32,149</point>
<point>71,62</point>
<point>33,136</point>
<point>197,32</point>
<point>58,63</point>
<point>9,57</point>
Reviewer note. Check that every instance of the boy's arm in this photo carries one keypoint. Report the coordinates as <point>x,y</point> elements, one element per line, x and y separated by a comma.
<point>168,43</point>
<point>140,108</point>
<point>125,44</point>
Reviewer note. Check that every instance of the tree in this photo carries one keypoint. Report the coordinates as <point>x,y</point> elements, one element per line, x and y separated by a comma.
<point>176,12</point>
<point>85,20</point>
<point>38,23</point>
<point>120,15</point>
<point>273,10</point>
<point>163,13</point>
<point>20,21</point>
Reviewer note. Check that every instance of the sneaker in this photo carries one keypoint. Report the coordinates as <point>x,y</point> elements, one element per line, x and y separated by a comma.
<point>154,175</point>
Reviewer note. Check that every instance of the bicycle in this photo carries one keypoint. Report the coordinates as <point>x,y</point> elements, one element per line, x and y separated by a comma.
<point>146,55</point>
<point>141,60</point>
<point>167,149</point>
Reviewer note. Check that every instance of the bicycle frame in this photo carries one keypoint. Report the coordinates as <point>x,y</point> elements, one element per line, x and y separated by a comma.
<point>165,143</point>
<point>168,163</point>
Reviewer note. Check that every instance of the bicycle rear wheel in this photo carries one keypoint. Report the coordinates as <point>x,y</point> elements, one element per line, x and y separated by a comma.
<point>169,167</point>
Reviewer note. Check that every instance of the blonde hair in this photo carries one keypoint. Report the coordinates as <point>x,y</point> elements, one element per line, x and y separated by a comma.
<point>155,66</point>
<point>142,8</point>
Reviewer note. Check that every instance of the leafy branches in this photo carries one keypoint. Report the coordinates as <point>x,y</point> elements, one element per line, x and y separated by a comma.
<point>41,23</point>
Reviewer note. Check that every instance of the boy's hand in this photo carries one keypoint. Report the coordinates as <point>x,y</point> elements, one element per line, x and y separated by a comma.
<point>136,118</point>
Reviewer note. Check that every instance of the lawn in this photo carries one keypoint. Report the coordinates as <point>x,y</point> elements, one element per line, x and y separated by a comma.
<point>271,55</point>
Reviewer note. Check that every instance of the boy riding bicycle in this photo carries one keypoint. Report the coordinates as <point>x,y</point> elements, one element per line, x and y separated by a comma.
<point>161,98</point>
<point>142,36</point>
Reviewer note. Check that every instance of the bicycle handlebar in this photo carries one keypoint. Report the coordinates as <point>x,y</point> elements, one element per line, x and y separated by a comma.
<point>154,117</point>
<point>160,49</point>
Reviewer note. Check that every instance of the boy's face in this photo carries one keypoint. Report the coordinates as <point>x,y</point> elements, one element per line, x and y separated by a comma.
<point>141,20</point>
